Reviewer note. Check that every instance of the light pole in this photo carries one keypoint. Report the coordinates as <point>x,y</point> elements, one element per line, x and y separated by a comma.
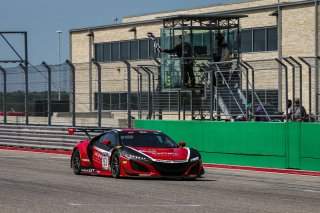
<point>59,75</point>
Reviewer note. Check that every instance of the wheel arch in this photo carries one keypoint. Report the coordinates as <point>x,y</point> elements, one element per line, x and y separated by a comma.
<point>82,147</point>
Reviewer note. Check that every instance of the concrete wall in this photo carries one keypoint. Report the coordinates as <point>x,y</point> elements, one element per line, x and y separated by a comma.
<point>263,144</point>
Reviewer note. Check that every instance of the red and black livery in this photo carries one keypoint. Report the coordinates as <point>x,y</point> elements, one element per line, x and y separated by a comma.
<point>134,152</point>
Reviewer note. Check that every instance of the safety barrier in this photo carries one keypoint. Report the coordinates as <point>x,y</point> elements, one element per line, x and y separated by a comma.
<point>260,144</point>
<point>38,137</point>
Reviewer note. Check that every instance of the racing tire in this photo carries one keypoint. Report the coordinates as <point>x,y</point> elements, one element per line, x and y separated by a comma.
<point>115,164</point>
<point>76,162</point>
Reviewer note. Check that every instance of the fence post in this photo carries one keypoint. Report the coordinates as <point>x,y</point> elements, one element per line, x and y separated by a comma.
<point>247,88</point>
<point>252,89</point>
<point>300,75</point>
<point>293,76</point>
<point>153,92</point>
<point>149,92</point>
<point>216,94</point>
<point>139,88</point>
<point>73,78</point>
<point>211,74</point>
<point>99,92</point>
<point>179,105</point>
<point>49,92</point>
<point>317,86</point>
<point>26,96</point>
<point>4,98</point>
<point>286,82</point>
<point>159,86</point>
<point>310,98</point>
<point>128,92</point>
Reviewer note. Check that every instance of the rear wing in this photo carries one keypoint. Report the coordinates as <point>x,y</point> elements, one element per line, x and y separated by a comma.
<point>71,131</point>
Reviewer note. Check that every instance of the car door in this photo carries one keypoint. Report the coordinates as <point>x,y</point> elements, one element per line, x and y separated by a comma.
<point>102,152</point>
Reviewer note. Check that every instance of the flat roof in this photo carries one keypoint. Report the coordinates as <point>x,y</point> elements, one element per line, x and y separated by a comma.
<point>204,16</point>
<point>113,25</point>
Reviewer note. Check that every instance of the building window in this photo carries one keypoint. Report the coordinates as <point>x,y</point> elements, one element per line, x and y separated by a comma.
<point>143,49</point>
<point>259,39</point>
<point>115,56</point>
<point>99,52</point>
<point>134,50</point>
<point>272,35</point>
<point>106,52</point>
<point>246,41</point>
<point>129,50</point>
<point>124,50</point>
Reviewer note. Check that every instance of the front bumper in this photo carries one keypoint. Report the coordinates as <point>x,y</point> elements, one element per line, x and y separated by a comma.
<point>160,169</point>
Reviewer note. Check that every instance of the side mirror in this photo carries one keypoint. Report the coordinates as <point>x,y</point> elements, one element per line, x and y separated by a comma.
<point>106,142</point>
<point>182,144</point>
<point>71,131</point>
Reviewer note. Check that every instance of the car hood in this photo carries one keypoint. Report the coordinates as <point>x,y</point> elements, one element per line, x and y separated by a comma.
<point>173,154</point>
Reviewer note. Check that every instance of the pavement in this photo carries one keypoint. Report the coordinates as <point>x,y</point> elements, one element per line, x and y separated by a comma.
<point>44,182</point>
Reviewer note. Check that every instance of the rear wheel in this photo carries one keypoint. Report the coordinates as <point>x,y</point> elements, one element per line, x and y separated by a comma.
<point>76,162</point>
<point>115,164</point>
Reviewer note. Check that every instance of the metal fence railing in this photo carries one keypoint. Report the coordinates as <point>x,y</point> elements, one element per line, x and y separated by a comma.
<point>114,94</point>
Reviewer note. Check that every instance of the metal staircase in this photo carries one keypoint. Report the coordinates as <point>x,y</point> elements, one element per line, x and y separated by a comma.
<point>226,81</point>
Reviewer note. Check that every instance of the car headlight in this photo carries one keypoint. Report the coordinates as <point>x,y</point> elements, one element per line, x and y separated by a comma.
<point>134,157</point>
<point>194,159</point>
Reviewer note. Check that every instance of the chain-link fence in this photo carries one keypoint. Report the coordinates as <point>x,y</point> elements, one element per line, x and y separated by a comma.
<point>114,94</point>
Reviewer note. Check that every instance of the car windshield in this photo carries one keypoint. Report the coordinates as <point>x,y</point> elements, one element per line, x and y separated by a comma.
<point>146,139</point>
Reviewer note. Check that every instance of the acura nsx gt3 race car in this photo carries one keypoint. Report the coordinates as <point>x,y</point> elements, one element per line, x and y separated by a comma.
<point>134,152</point>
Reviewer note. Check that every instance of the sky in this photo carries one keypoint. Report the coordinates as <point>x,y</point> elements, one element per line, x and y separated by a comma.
<point>43,18</point>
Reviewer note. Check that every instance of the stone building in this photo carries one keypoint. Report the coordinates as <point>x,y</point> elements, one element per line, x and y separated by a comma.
<point>272,29</point>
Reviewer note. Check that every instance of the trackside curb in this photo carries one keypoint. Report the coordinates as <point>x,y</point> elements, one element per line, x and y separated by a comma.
<point>260,169</point>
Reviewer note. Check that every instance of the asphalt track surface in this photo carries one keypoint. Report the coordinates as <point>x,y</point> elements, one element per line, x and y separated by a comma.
<point>42,182</point>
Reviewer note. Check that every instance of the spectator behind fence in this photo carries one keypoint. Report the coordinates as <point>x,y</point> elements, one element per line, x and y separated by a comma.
<point>299,110</point>
<point>225,66</point>
<point>225,55</point>
<point>290,111</point>
<point>188,63</point>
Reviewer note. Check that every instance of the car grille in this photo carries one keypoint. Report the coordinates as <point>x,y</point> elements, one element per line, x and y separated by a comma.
<point>138,167</point>
<point>171,169</point>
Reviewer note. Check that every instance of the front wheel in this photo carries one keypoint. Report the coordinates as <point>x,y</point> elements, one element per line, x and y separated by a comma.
<point>76,162</point>
<point>115,164</point>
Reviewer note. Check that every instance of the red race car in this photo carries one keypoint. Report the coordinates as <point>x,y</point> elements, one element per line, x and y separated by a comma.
<point>134,152</point>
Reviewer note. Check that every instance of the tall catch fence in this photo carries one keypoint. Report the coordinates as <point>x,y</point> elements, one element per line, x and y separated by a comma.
<point>311,83</point>
<point>266,89</point>
<point>114,94</point>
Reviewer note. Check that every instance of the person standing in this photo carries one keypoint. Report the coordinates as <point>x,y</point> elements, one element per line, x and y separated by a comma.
<point>225,54</point>
<point>183,49</point>
<point>290,111</point>
<point>299,113</point>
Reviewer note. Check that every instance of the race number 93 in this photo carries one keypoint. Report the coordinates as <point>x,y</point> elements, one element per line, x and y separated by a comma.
<point>105,161</point>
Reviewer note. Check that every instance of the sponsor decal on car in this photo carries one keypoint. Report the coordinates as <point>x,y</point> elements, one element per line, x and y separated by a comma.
<point>87,170</point>
<point>144,175</point>
<point>98,154</point>
<point>105,160</point>
<point>158,153</point>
